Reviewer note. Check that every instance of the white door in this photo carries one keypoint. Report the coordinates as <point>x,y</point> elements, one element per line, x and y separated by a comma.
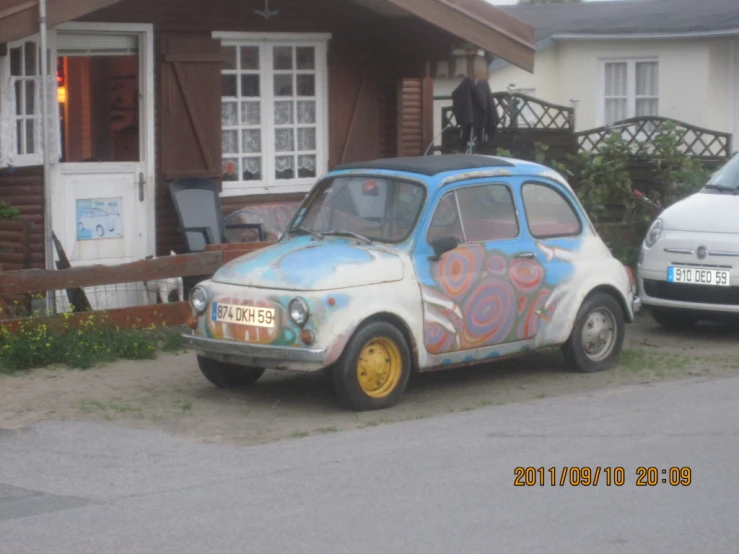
<point>103,186</point>
<point>735,139</point>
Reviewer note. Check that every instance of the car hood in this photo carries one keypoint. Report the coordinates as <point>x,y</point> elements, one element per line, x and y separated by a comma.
<point>704,212</point>
<point>304,264</point>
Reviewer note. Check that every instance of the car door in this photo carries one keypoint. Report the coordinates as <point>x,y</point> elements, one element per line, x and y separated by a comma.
<point>550,245</point>
<point>469,296</point>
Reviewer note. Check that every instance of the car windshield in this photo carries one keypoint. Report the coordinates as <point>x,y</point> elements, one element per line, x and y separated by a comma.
<point>376,208</point>
<point>727,178</point>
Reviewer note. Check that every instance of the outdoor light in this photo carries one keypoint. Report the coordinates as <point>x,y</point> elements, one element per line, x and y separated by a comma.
<point>199,299</point>
<point>654,233</point>
<point>299,311</point>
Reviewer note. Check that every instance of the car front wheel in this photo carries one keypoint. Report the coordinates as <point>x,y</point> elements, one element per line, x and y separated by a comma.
<point>227,376</point>
<point>373,371</point>
<point>598,334</point>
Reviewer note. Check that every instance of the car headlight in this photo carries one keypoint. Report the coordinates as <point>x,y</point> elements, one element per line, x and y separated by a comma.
<point>299,312</point>
<point>653,234</point>
<point>199,299</point>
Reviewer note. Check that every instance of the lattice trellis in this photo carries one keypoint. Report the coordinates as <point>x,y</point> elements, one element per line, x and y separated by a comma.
<point>640,133</point>
<point>520,111</point>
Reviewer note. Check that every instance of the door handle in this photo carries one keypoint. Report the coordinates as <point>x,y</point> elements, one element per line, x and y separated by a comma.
<point>142,182</point>
<point>526,255</point>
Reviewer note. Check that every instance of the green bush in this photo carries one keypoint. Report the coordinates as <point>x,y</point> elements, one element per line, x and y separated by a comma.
<point>81,346</point>
<point>7,211</point>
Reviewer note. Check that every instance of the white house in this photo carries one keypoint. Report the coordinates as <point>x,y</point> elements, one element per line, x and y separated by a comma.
<point>620,59</point>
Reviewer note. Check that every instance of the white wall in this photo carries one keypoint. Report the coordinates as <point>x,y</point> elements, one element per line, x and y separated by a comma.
<point>695,78</point>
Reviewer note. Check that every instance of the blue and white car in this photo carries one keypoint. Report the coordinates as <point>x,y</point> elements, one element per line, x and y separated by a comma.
<point>417,264</point>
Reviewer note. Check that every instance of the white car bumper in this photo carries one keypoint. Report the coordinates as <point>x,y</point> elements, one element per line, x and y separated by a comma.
<point>683,249</point>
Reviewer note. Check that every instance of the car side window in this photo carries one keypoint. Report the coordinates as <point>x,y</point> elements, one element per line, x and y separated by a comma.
<point>445,221</point>
<point>548,212</point>
<point>488,213</point>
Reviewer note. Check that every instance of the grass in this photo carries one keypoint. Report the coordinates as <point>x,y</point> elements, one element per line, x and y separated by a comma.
<point>83,346</point>
<point>107,408</point>
<point>637,360</point>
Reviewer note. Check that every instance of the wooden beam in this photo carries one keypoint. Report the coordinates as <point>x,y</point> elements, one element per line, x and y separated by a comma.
<point>138,317</point>
<point>485,26</point>
<point>41,280</point>
<point>21,20</point>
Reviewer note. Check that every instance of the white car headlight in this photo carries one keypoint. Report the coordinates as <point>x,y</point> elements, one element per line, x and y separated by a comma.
<point>299,312</point>
<point>653,234</point>
<point>199,299</point>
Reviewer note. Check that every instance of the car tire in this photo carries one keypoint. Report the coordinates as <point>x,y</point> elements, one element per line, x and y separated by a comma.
<point>100,231</point>
<point>373,371</point>
<point>598,334</point>
<point>674,320</point>
<point>227,376</point>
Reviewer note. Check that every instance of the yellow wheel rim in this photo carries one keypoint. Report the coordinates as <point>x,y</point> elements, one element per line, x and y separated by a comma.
<point>379,367</point>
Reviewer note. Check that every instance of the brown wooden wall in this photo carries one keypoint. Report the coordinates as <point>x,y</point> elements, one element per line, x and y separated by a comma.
<point>368,56</point>
<point>24,189</point>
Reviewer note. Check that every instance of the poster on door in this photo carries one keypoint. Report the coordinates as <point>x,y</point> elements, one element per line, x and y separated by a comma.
<point>99,218</point>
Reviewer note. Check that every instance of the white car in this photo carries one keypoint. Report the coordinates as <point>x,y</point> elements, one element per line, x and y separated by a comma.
<point>689,262</point>
<point>97,220</point>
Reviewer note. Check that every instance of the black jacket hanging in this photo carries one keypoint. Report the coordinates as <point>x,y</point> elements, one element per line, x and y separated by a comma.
<point>474,109</point>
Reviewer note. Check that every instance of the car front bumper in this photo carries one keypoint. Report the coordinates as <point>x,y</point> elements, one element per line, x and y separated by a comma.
<point>258,355</point>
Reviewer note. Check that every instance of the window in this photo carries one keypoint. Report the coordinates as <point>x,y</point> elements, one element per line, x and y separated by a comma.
<point>272,113</point>
<point>631,89</point>
<point>478,213</point>
<point>21,129</point>
<point>381,209</point>
<point>548,212</point>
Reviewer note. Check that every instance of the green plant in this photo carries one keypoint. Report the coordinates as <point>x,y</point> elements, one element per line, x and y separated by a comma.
<point>79,344</point>
<point>677,175</point>
<point>7,211</point>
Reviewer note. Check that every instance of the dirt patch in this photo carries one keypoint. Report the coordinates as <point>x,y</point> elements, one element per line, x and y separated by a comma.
<point>171,395</point>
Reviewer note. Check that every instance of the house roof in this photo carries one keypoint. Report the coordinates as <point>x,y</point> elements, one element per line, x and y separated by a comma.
<point>500,33</point>
<point>629,17</point>
<point>626,19</point>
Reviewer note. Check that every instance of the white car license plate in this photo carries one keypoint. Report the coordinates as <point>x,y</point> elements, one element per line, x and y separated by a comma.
<point>243,315</point>
<point>697,276</point>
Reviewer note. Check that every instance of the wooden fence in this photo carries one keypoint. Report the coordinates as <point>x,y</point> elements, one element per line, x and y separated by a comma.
<point>201,265</point>
<point>523,121</point>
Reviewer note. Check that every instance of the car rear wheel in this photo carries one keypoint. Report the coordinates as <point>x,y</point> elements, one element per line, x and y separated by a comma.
<point>226,376</point>
<point>598,334</point>
<point>373,371</point>
<point>674,320</point>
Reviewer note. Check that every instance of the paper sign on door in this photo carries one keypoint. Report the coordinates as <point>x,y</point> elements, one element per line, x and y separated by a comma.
<point>99,218</point>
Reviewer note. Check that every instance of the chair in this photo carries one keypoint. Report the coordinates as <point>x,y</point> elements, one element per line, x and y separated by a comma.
<point>199,211</point>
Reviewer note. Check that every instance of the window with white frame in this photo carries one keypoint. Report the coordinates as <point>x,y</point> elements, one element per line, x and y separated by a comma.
<point>21,120</point>
<point>273,119</point>
<point>631,89</point>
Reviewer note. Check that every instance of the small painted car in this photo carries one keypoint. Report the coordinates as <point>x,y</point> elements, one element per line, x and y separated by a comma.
<point>416,264</point>
<point>97,220</point>
<point>689,262</point>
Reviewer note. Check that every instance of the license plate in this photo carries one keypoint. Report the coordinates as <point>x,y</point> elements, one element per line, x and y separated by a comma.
<point>243,315</point>
<point>696,276</point>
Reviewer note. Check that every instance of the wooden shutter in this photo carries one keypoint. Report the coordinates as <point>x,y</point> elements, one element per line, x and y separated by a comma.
<point>190,108</point>
<point>415,116</point>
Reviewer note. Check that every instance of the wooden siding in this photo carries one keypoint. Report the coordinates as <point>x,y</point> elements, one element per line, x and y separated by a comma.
<point>23,189</point>
<point>368,57</point>
<point>414,116</point>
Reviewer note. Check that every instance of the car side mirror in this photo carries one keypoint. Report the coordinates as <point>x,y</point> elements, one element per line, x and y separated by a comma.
<point>442,245</point>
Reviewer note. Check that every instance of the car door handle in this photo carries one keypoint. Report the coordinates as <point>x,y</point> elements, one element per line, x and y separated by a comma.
<point>526,255</point>
<point>142,182</point>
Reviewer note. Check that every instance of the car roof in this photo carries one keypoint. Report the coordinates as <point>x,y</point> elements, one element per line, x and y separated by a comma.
<point>432,165</point>
<point>446,168</point>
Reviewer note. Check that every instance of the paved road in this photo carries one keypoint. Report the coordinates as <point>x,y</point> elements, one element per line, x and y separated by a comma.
<point>442,485</point>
